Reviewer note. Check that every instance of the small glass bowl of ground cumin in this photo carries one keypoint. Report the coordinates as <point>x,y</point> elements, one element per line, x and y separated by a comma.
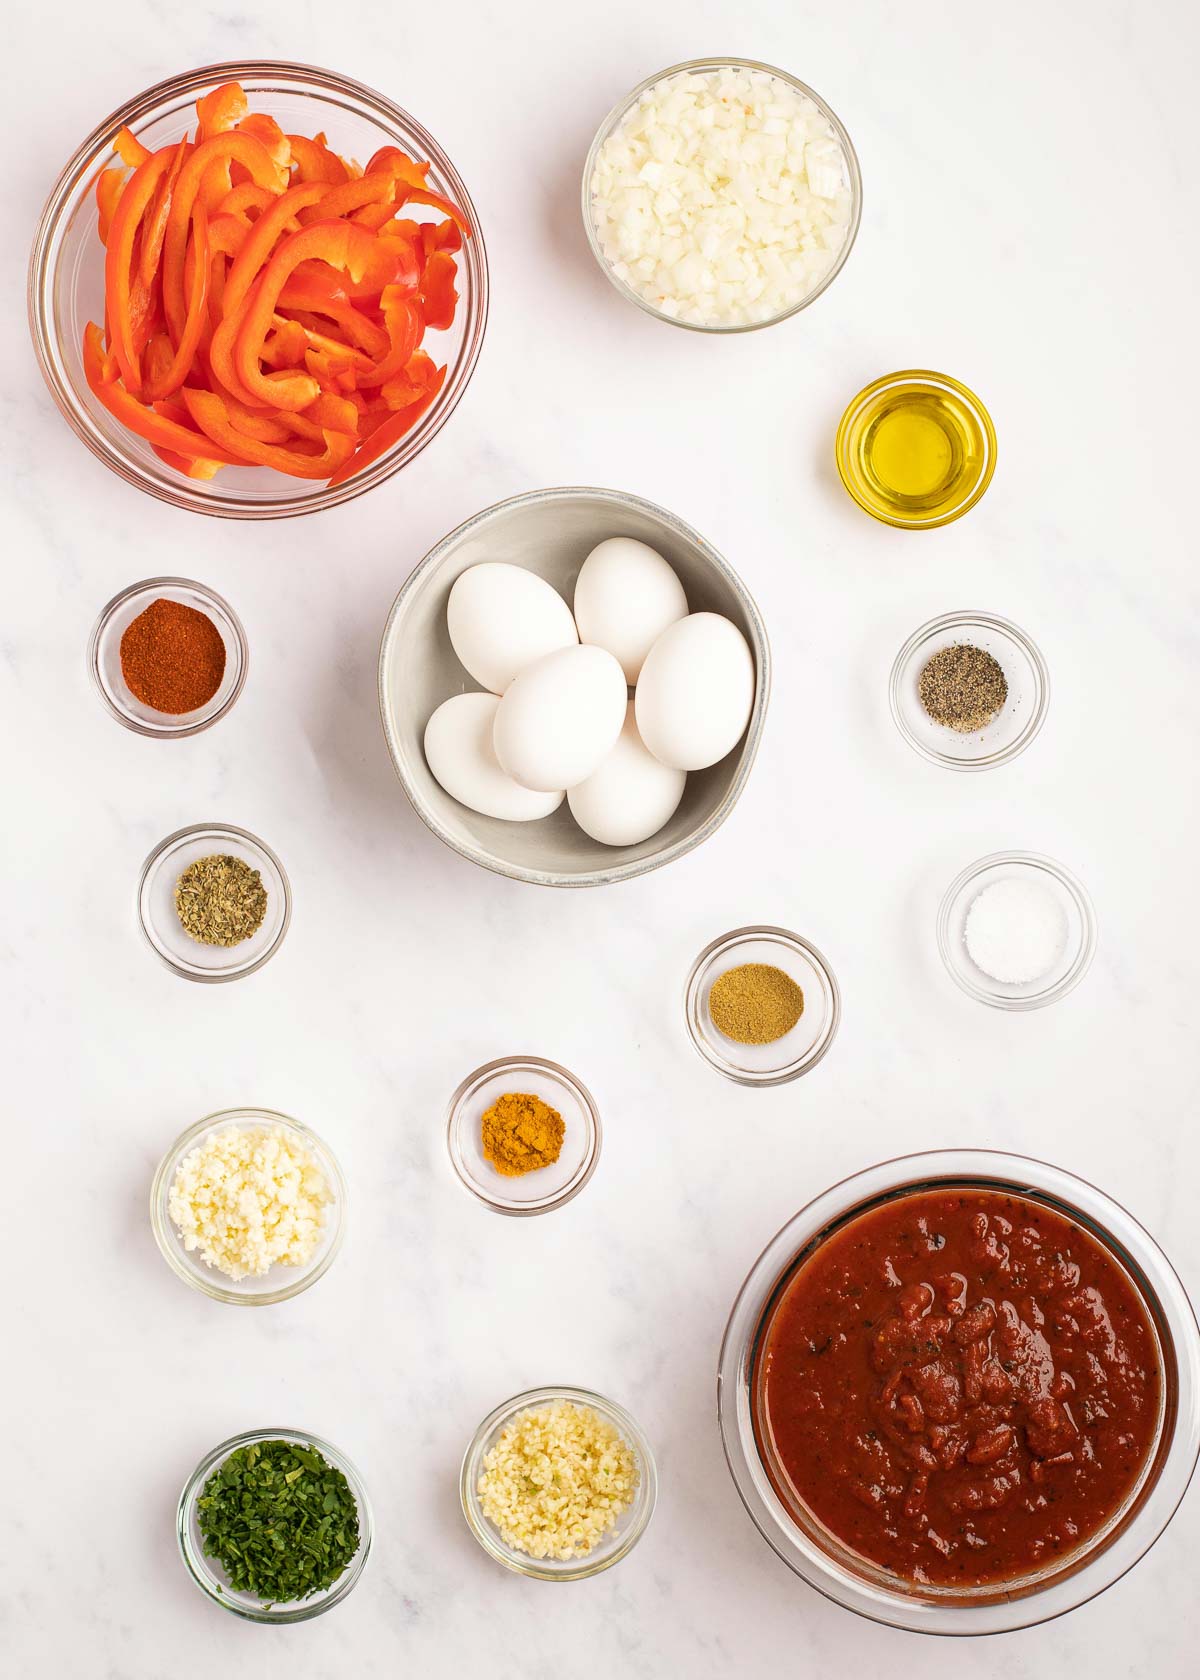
<point>969,691</point>
<point>762,1005</point>
<point>213,877</point>
<point>168,657</point>
<point>469,1134</point>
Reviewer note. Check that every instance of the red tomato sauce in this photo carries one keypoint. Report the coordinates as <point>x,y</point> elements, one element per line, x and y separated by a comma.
<point>962,1386</point>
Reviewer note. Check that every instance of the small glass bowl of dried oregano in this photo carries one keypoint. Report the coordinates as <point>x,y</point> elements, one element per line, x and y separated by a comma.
<point>213,902</point>
<point>762,1005</point>
<point>275,1525</point>
<point>969,691</point>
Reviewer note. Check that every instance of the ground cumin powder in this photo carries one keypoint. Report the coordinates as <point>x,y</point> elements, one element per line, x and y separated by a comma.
<point>755,1003</point>
<point>521,1133</point>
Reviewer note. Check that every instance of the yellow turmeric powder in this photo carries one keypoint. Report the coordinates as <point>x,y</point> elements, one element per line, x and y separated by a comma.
<point>521,1133</point>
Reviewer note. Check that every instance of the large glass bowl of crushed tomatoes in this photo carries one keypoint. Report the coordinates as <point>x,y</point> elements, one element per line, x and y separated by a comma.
<point>258,290</point>
<point>960,1392</point>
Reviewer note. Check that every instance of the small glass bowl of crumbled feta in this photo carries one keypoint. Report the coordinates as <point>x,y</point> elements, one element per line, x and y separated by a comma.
<point>249,1207</point>
<point>722,195</point>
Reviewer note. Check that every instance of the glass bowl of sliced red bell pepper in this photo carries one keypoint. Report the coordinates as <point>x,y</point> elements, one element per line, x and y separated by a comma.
<point>258,290</point>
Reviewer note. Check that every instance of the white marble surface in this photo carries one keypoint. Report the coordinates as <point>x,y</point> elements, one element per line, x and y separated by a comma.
<point>1030,226</point>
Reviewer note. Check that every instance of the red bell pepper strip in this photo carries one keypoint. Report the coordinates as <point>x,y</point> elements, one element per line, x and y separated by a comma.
<point>267,130</point>
<point>99,371</point>
<point>441,236</point>
<point>119,262</point>
<point>264,171</point>
<point>210,414</point>
<point>154,227</point>
<point>130,149</point>
<point>285,345</point>
<point>221,110</point>
<point>315,162</point>
<point>438,295</point>
<point>390,432</point>
<point>110,184</point>
<point>197,312</point>
<point>403,320</point>
<point>238,200</point>
<point>342,245</point>
<point>352,195</point>
<point>197,467</point>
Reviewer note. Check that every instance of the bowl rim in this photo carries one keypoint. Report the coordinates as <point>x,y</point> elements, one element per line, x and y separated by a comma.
<point>964,619</point>
<point>302,1610</point>
<point>591,1160</point>
<point>169,731</point>
<point>1071,885</point>
<point>691,1003</point>
<point>1134,1248</point>
<point>698,66</point>
<point>582,1568</point>
<point>214,977</point>
<point>749,746</point>
<point>167,1238</point>
<point>925,376</point>
<point>79,170</point>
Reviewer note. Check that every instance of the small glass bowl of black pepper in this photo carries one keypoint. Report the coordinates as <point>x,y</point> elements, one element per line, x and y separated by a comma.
<point>984,696</point>
<point>162,921</point>
<point>760,1003</point>
<point>207,1572</point>
<point>105,666</point>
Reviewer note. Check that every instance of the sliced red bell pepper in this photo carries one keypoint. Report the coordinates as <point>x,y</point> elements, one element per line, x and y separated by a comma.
<point>130,149</point>
<point>402,317</point>
<point>438,295</point>
<point>119,261</point>
<point>241,199</point>
<point>135,416</point>
<point>390,432</point>
<point>352,195</point>
<point>154,227</point>
<point>441,236</point>
<point>267,130</point>
<point>197,467</point>
<point>264,171</point>
<point>342,245</point>
<point>222,109</point>
<point>194,322</point>
<point>110,183</point>
<point>210,414</point>
<point>315,162</point>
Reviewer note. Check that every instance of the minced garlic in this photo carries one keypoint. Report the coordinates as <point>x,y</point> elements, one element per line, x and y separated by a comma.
<point>557,1480</point>
<point>249,1198</point>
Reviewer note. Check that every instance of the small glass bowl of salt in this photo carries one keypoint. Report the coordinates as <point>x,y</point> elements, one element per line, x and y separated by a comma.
<point>1016,930</point>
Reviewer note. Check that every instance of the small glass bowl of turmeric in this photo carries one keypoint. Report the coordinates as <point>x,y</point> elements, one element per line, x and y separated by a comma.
<point>762,1005</point>
<point>523,1135</point>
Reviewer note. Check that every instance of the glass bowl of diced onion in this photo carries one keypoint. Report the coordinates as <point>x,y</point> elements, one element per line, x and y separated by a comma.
<point>708,289</point>
<point>66,277</point>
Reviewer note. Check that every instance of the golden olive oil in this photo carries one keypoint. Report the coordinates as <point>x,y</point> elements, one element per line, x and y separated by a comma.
<point>916,449</point>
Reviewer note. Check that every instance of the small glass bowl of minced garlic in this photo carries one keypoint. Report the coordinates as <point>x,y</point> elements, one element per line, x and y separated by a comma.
<point>762,1005</point>
<point>969,691</point>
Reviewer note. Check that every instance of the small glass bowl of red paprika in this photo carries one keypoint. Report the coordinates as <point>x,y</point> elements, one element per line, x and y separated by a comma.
<point>176,664</point>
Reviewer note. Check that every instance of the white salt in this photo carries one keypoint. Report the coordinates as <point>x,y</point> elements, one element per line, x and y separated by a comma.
<point>1016,930</point>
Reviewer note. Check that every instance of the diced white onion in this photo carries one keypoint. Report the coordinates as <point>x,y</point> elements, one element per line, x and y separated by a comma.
<point>722,198</point>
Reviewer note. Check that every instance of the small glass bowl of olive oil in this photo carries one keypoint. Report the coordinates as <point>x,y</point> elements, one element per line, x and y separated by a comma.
<point>916,449</point>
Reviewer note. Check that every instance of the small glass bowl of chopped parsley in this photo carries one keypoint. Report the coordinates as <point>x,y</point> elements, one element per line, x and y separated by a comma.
<point>275,1525</point>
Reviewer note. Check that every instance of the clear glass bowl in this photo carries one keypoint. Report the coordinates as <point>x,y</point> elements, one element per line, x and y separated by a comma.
<point>281,1283</point>
<point>796,1052</point>
<point>905,512</point>
<point>159,919</point>
<point>1077,952</point>
<point>104,657</point>
<point>211,1578</point>
<point>66,277</point>
<point>617,1542</point>
<point>856,1585</point>
<point>546,1188</point>
<point>1013,727</point>
<point>701,66</point>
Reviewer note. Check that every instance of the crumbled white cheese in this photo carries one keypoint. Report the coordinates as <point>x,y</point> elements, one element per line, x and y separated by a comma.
<point>722,197</point>
<point>249,1198</point>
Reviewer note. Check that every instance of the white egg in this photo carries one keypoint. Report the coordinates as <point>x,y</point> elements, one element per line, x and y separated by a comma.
<point>625,597</point>
<point>630,795</point>
<point>558,719</point>
<point>459,751</point>
<point>502,618</point>
<point>695,692</point>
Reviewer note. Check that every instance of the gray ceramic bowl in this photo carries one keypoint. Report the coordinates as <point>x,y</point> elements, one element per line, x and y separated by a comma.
<point>552,532</point>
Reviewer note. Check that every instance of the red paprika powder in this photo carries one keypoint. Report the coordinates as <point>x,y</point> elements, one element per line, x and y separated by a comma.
<point>172,657</point>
